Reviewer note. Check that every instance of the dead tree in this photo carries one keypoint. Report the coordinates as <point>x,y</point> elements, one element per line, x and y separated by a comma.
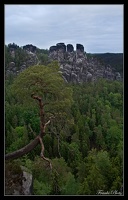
<point>26,149</point>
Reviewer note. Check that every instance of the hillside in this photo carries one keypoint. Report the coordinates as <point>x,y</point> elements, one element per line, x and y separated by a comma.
<point>113,59</point>
<point>69,137</point>
<point>75,66</point>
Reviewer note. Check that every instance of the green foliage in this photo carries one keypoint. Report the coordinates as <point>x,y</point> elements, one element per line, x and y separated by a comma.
<point>26,162</point>
<point>7,56</point>
<point>43,58</point>
<point>113,137</point>
<point>19,57</point>
<point>40,170</point>
<point>84,188</point>
<point>85,140</point>
<point>71,186</point>
<point>61,176</point>
<point>12,167</point>
<point>40,188</point>
<point>19,139</point>
<point>100,174</point>
<point>114,59</point>
<point>46,82</point>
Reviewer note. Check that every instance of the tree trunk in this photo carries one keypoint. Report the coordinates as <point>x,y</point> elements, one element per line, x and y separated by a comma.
<point>23,151</point>
<point>38,139</point>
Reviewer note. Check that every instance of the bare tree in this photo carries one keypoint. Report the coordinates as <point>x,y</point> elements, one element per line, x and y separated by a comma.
<point>38,139</point>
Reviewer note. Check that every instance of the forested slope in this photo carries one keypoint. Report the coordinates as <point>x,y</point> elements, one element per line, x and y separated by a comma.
<point>113,59</point>
<point>84,145</point>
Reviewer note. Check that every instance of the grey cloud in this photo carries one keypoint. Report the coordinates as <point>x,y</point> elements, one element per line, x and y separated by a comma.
<point>97,27</point>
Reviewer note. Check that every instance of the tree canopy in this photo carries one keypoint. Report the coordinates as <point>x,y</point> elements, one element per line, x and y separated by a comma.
<point>46,85</point>
<point>44,81</point>
<point>79,125</point>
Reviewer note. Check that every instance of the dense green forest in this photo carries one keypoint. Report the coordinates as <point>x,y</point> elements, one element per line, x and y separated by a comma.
<point>84,140</point>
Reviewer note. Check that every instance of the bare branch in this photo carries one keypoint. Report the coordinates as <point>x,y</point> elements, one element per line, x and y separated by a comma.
<point>42,152</point>
<point>46,124</point>
<point>22,151</point>
<point>34,143</point>
<point>29,126</point>
<point>35,97</point>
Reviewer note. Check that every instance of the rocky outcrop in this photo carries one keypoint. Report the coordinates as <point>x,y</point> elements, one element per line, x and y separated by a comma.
<point>76,67</point>
<point>27,182</point>
<point>29,60</point>
<point>30,47</point>
<point>18,181</point>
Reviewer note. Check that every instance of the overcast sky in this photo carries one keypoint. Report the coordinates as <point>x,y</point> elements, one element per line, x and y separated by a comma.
<point>99,28</point>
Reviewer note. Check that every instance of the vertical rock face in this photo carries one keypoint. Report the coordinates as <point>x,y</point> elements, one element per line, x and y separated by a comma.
<point>30,47</point>
<point>61,49</point>
<point>70,48</point>
<point>53,53</point>
<point>80,47</point>
<point>53,48</point>
<point>61,46</point>
<point>27,183</point>
<point>76,67</point>
<point>28,58</point>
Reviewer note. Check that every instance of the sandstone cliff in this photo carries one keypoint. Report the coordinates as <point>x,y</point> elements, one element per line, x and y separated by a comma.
<point>76,67</point>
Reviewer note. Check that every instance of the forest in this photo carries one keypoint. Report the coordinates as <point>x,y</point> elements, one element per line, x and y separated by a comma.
<point>83,139</point>
<point>113,59</point>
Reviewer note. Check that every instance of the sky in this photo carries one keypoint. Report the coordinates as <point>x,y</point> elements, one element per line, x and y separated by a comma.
<point>98,27</point>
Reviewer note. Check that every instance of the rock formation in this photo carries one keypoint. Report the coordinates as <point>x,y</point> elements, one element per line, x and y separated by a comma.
<point>29,59</point>
<point>18,181</point>
<point>76,67</point>
<point>30,47</point>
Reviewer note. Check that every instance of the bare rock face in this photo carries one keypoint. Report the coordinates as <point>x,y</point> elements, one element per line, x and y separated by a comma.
<point>27,182</point>
<point>70,48</point>
<point>31,59</point>
<point>53,53</point>
<point>61,47</point>
<point>76,67</point>
<point>18,181</point>
<point>80,47</point>
<point>30,47</point>
<point>11,65</point>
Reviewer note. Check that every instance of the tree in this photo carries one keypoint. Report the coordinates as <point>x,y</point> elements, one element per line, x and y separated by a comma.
<point>45,85</point>
<point>43,58</point>
<point>71,186</point>
<point>113,138</point>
